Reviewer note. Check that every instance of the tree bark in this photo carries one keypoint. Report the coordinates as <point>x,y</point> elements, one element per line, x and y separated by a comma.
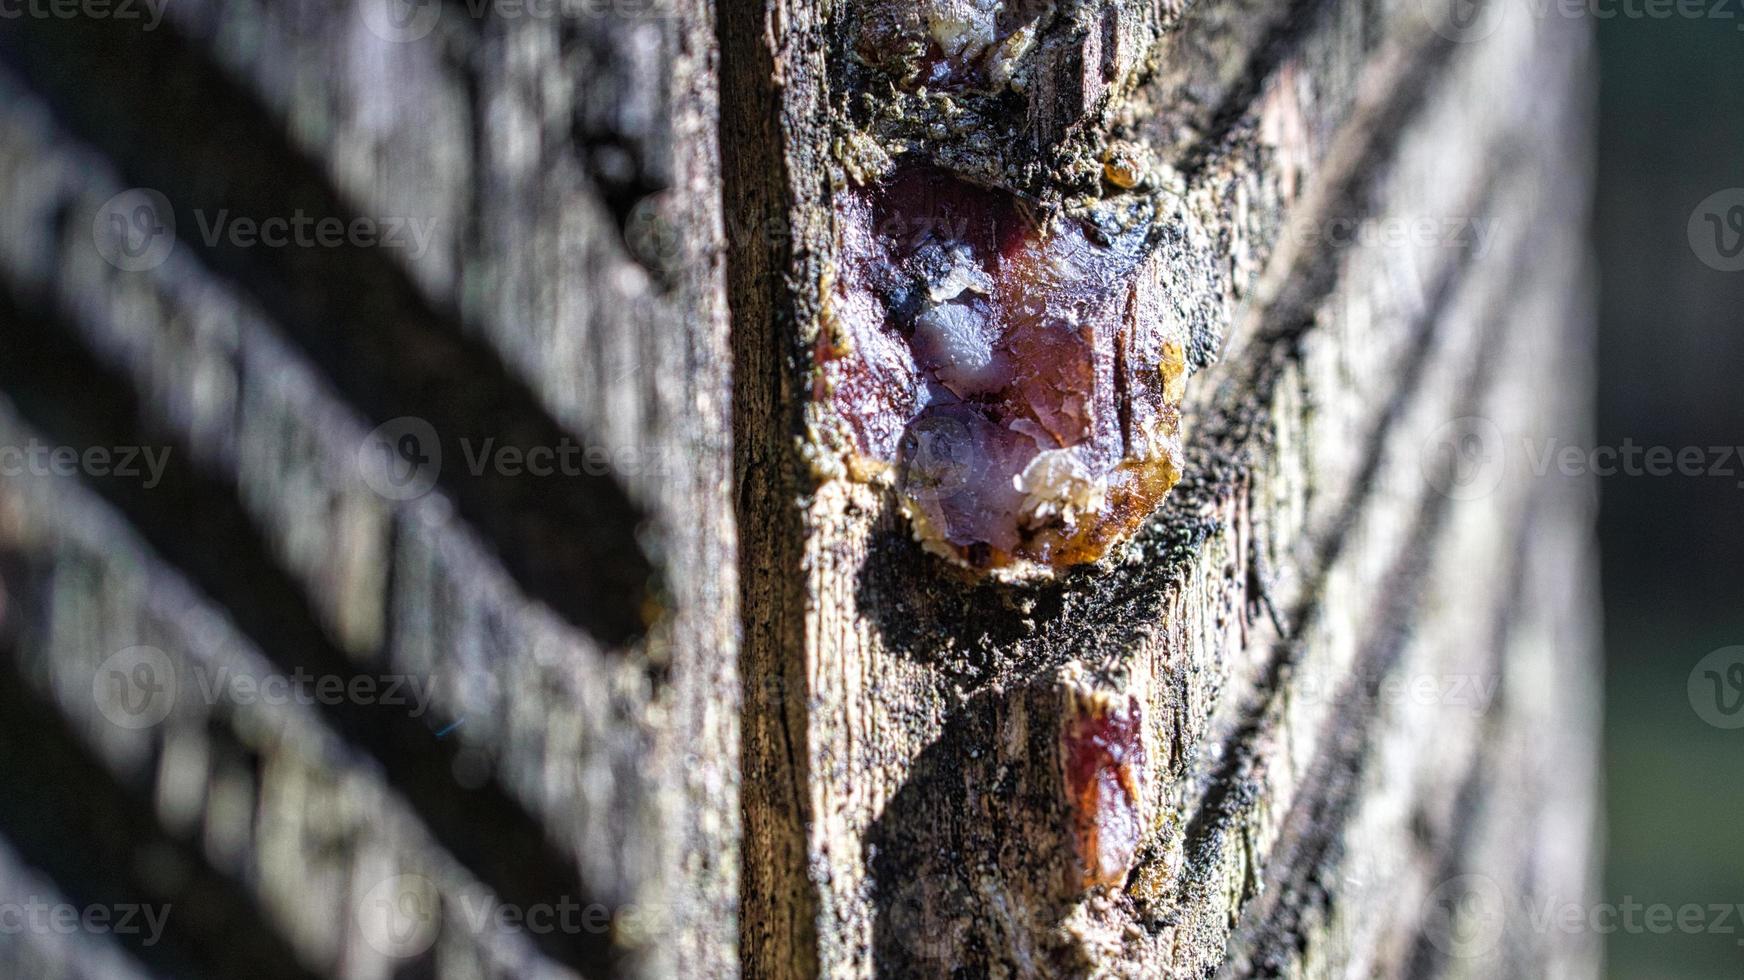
<point>555,282</point>
<point>1340,628</point>
<point>1356,636</point>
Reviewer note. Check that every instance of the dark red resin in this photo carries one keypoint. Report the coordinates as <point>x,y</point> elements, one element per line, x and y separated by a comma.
<point>1004,368</point>
<point>1103,755</point>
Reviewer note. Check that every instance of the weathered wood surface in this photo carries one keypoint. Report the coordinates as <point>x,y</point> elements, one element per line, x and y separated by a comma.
<point>905,814</point>
<point>1360,644</point>
<point>576,633</point>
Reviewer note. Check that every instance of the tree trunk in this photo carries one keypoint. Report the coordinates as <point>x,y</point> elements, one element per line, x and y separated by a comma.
<point>1356,636</point>
<point>1353,644</point>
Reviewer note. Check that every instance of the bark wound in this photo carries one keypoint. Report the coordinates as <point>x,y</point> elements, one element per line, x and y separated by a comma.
<point>948,44</point>
<point>1102,757</point>
<point>1015,372</point>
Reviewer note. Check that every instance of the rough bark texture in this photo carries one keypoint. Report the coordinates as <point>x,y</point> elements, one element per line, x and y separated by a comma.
<point>577,631</point>
<point>1354,642</point>
<point>1340,652</point>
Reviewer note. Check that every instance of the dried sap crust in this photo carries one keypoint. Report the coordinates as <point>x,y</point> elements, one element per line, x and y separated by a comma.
<point>948,43</point>
<point>1020,376</point>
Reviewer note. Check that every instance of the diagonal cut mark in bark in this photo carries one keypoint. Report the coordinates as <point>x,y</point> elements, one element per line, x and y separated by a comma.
<point>1300,276</point>
<point>1308,849</point>
<point>183,128</point>
<point>196,523</point>
<point>1230,786</point>
<point>1278,327</point>
<point>1282,37</point>
<point>1426,957</point>
<point>1237,750</point>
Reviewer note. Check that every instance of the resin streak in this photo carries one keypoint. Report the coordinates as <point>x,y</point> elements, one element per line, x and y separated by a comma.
<point>1103,760</point>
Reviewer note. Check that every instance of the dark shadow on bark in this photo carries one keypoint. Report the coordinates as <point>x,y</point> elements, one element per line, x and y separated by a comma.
<point>933,613</point>
<point>174,121</point>
<point>194,520</point>
<point>972,844</point>
<point>95,835</point>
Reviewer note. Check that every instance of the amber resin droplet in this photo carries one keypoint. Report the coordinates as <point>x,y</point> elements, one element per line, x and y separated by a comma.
<point>1103,759</point>
<point>1017,374</point>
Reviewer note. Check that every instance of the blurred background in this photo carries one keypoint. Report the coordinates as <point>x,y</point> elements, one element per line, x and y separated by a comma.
<point>1671,137</point>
